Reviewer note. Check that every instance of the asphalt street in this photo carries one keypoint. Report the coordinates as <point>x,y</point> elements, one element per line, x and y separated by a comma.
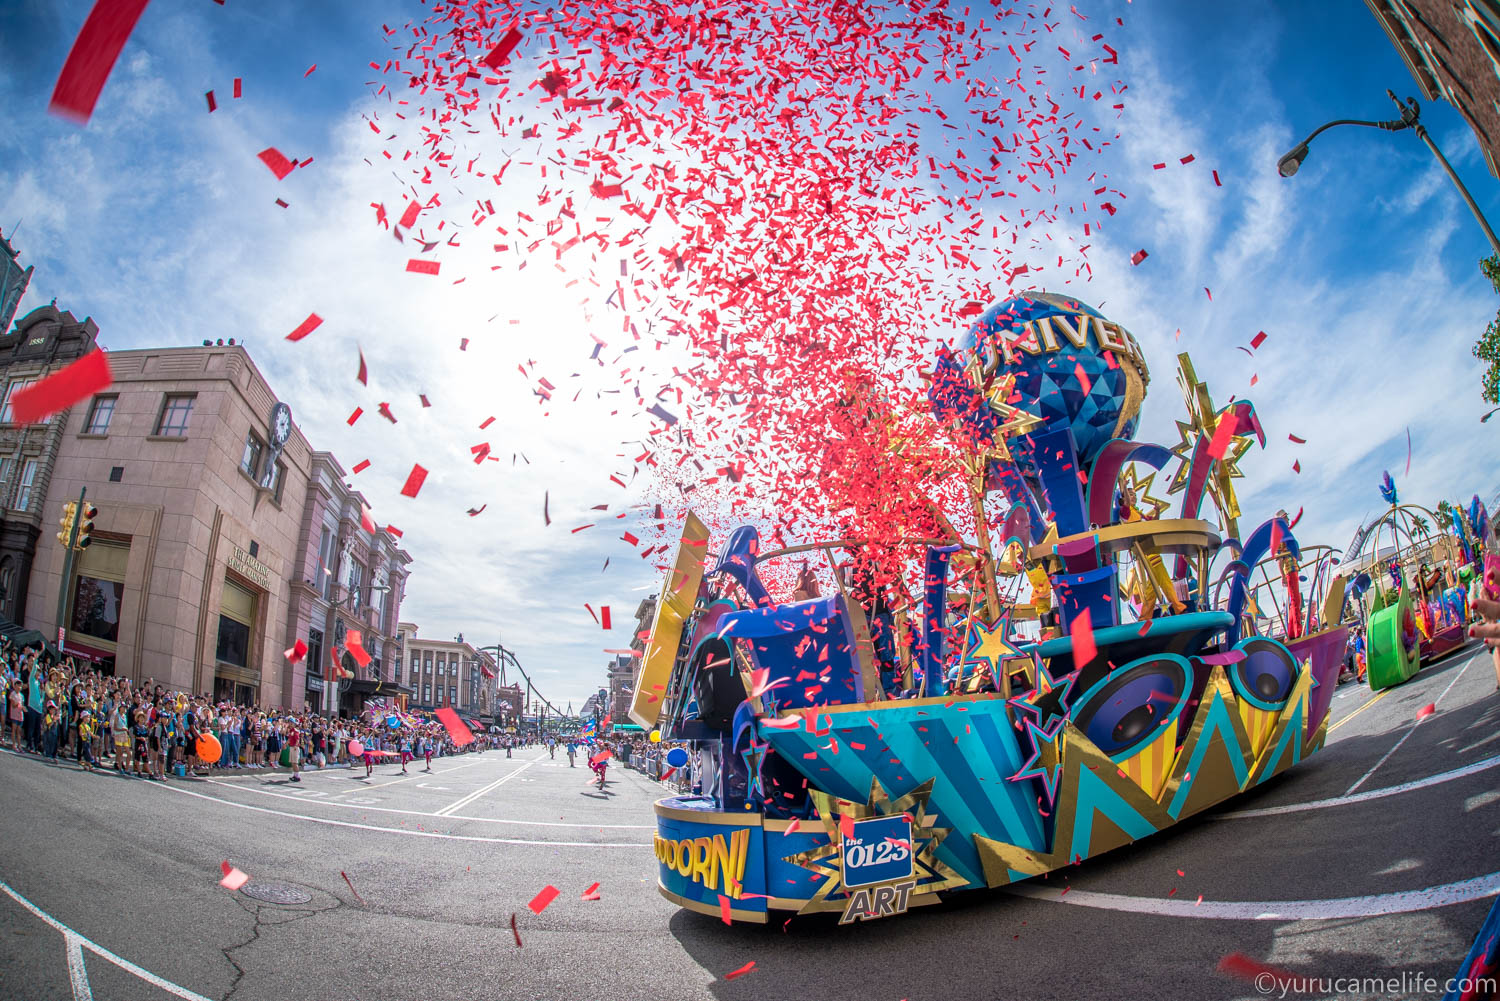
<point>1373,859</point>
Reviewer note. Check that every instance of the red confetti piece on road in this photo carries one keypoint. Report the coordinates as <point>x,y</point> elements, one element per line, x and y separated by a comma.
<point>1081,629</point>
<point>592,893</point>
<point>356,415</point>
<point>514,931</point>
<point>724,915</point>
<point>307,326</point>
<point>361,466</point>
<point>414,481</point>
<point>423,267</point>
<point>604,616</point>
<point>297,652</point>
<point>63,388</point>
<point>736,974</point>
<point>1426,711</point>
<point>1266,978</point>
<point>233,878</point>
<point>212,105</point>
<point>351,885</point>
<point>1138,257</point>
<point>278,164</point>
<point>501,52</point>
<point>93,56</point>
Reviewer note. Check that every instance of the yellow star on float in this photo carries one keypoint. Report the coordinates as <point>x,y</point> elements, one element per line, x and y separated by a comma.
<point>988,643</point>
<point>1150,507</point>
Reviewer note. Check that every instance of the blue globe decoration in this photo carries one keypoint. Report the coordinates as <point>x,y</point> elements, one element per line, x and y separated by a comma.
<point>1073,368</point>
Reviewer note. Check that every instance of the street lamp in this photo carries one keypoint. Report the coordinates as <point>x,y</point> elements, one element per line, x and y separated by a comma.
<point>1410,115</point>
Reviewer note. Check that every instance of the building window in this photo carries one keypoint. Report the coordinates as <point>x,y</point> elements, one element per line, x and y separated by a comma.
<point>100,414</point>
<point>452,696</point>
<point>250,460</point>
<point>96,607</point>
<point>7,585</point>
<point>325,565</point>
<point>116,474</point>
<point>354,582</point>
<point>236,614</point>
<point>427,666</point>
<point>173,422</point>
<point>427,694</point>
<point>28,480</point>
<point>315,651</point>
<point>278,473</point>
<point>7,415</point>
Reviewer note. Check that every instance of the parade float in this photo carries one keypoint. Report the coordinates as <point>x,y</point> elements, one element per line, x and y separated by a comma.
<point>1064,685</point>
<point>1417,607</point>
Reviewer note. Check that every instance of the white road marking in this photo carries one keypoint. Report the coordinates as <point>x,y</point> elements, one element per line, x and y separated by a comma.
<point>1323,804</point>
<point>77,972</point>
<point>353,804</point>
<point>471,797</point>
<point>405,778</point>
<point>406,833</point>
<point>1411,730</point>
<point>1374,905</point>
<point>75,939</point>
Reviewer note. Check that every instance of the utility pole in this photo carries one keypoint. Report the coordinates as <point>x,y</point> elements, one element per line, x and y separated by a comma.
<point>67,574</point>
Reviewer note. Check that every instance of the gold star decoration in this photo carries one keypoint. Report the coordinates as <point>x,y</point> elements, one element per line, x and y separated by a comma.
<point>931,874</point>
<point>1150,507</point>
<point>1203,421</point>
<point>987,642</point>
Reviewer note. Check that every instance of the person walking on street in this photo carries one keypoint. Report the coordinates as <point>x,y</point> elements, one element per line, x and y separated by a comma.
<point>293,749</point>
<point>572,754</point>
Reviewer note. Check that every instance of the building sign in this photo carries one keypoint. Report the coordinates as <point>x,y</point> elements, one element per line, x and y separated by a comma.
<point>314,684</point>
<point>250,568</point>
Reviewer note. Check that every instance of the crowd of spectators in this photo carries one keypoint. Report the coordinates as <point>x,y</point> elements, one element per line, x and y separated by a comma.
<point>65,711</point>
<point>649,758</point>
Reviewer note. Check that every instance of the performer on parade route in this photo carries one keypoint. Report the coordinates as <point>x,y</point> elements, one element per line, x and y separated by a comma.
<point>572,753</point>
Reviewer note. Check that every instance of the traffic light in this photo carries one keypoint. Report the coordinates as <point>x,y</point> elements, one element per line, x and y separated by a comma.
<point>86,526</point>
<point>70,513</point>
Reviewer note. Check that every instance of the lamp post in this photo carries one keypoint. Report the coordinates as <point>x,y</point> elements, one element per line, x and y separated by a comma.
<point>1410,115</point>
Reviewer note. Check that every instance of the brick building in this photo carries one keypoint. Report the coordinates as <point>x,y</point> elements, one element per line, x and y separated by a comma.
<point>1452,48</point>
<point>45,339</point>
<point>447,673</point>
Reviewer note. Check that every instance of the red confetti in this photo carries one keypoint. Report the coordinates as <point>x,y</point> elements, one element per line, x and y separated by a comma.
<point>1426,711</point>
<point>351,886</point>
<point>361,466</point>
<point>736,974</point>
<point>1217,183</point>
<point>306,327</point>
<point>474,511</point>
<point>414,481</point>
<point>238,90</point>
<point>212,105</point>
<point>1138,257</point>
<point>514,931</point>
<point>297,652</point>
<point>93,56</point>
<point>501,52</point>
<point>278,164</point>
<point>1266,978</point>
<point>423,267</point>
<point>233,878</point>
<point>1297,466</point>
<point>724,910</point>
<point>1224,433</point>
<point>604,616</point>
<point>358,411</point>
<point>1082,631</point>
<point>63,388</point>
<point>1258,339</point>
<point>592,893</point>
<point>462,735</point>
<point>309,71</point>
<point>1295,440</point>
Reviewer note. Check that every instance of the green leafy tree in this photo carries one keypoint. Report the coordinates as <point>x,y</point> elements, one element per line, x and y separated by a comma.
<point>1488,347</point>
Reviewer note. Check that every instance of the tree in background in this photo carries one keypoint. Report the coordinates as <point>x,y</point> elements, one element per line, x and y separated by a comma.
<point>1488,347</point>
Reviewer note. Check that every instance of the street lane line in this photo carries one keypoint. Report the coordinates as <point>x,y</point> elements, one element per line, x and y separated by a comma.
<point>471,797</point>
<point>1410,730</point>
<point>77,972</point>
<point>382,785</point>
<point>1323,804</point>
<point>303,798</point>
<point>74,938</point>
<point>1374,905</point>
<point>1367,703</point>
<point>402,831</point>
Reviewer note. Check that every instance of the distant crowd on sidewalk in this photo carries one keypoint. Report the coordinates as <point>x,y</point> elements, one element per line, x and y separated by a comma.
<point>70,712</point>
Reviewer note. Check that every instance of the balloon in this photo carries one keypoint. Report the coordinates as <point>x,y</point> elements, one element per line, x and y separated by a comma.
<point>656,736</point>
<point>677,757</point>
<point>208,748</point>
<point>356,748</point>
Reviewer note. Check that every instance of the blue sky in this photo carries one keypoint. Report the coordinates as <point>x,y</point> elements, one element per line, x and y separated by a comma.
<point>157,220</point>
